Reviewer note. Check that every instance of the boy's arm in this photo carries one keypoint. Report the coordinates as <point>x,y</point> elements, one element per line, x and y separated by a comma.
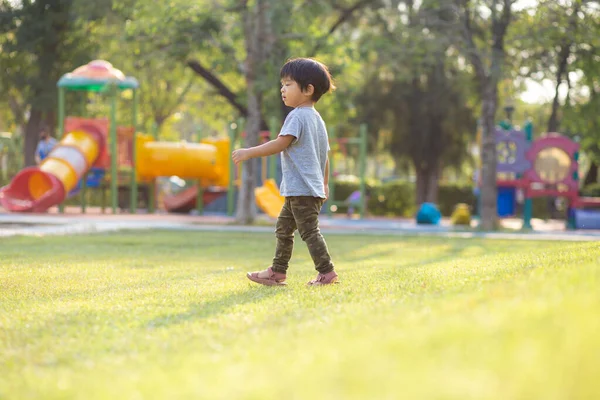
<point>267,149</point>
<point>271,147</point>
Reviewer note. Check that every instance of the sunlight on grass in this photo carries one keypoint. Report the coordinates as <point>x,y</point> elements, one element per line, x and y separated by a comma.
<point>171,315</point>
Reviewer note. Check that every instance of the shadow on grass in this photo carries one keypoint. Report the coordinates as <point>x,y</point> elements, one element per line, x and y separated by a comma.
<point>408,259</point>
<point>215,307</point>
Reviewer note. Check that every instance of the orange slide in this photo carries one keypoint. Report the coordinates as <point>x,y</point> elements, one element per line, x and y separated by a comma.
<point>269,199</point>
<point>35,189</point>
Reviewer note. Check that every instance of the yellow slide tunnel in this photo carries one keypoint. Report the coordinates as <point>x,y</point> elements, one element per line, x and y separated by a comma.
<point>68,162</point>
<point>207,161</point>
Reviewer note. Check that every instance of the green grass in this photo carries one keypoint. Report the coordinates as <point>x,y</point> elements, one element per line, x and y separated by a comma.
<point>171,315</point>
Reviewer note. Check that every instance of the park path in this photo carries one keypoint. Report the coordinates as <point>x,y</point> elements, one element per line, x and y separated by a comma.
<point>73,222</point>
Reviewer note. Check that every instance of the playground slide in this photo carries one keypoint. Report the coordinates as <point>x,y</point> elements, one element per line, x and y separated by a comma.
<point>35,189</point>
<point>185,201</point>
<point>207,161</point>
<point>268,198</point>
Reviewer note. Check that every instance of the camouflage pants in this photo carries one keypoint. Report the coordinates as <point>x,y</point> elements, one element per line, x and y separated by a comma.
<point>301,213</point>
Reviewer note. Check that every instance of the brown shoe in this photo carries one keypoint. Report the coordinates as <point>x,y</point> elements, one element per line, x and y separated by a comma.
<point>267,277</point>
<point>324,279</point>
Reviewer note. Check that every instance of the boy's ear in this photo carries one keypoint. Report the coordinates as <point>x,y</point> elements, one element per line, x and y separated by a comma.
<point>310,89</point>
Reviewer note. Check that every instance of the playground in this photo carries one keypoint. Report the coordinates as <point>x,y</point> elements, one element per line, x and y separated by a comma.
<point>96,151</point>
<point>99,154</point>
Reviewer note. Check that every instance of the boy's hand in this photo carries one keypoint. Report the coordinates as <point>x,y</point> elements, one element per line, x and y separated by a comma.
<point>326,192</point>
<point>240,155</point>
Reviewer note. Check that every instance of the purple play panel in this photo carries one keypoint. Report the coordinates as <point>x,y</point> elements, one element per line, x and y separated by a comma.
<point>511,148</point>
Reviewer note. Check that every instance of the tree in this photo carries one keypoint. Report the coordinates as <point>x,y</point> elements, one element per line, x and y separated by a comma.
<point>47,38</point>
<point>559,43</point>
<point>483,29</point>
<point>417,89</point>
<point>259,41</point>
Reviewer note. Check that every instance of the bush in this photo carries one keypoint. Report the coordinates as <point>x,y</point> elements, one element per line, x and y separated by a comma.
<point>592,190</point>
<point>397,198</point>
<point>393,199</point>
<point>452,194</point>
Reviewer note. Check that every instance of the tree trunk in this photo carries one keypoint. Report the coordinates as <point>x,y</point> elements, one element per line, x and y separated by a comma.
<point>427,186</point>
<point>257,49</point>
<point>246,207</point>
<point>421,185</point>
<point>32,136</point>
<point>488,156</point>
<point>433,185</point>
<point>563,56</point>
<point>592,175</point>
<point>562,67</point>
<point>18,111</point>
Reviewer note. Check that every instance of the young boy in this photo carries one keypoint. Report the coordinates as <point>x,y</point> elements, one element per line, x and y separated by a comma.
<point>304,146</point>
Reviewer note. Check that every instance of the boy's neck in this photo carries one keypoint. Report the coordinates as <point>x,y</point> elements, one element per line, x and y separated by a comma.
<point>308,104</point>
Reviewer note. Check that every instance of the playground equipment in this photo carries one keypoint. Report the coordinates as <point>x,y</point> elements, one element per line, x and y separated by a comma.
<point>38,188</point>
<point>187,200</point>
<point>461,215</point>
<point>99,143</point>
<point>428,214</point>
<point>547,166</point>
<point>93,146</point>
<point>83,145</point>
<point>269,199</point>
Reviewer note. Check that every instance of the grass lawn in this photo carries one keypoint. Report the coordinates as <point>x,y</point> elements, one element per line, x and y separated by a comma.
<point>171,315</point>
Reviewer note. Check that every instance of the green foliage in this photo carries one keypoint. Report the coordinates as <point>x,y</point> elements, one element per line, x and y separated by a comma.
<point>541,207</point>
<point>592,190</point>
<point>393,199</point>
<point>551,32</point>
<point>415,89</point>
<point>450,195</point>
<point>397,198</point>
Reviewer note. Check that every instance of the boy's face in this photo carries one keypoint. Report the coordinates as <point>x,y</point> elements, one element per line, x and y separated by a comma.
<point>293,96</point>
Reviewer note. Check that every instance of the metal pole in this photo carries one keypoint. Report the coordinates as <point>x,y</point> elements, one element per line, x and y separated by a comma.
<point>152,196</point>
<point>528,204</point>
<point>231,183</point>
<point>363,168</point>
<point>85,174</point>
<point>134,187</point>
<point>331,200</point>
<point>200,198</point>
<point>61,127</point>
<point>113,151</point>
<point>570,222</point>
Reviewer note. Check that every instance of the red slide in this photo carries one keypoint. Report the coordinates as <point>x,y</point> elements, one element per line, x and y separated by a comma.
<point>185,201</point>
<point>35,189</point>
<point>32,190</point>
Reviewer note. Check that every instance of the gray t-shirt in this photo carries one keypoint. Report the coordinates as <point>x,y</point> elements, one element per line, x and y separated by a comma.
<point>303,161</point>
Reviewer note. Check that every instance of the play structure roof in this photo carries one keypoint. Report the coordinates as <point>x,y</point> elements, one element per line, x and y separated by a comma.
<point>96,76</point>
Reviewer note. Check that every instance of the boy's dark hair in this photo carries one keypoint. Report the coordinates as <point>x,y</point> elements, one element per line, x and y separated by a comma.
<point>306,71</point>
